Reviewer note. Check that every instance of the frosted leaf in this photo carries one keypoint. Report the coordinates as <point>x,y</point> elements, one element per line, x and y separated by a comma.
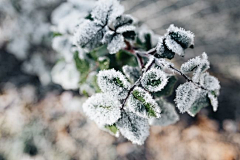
<point>209,82</point>
<point>127,31</point>
<point>66,75</point>
<point>154,80</point>
<point>197,65</point>
<point>88,34</point>
<point>162,49</point>
<point>114,82</point>
<point>200,102</point>
<point>181,36</point>
<point>106,10</point>
<point>214,101</point>
<point>168,115</point>
<point>132,73</point>
<point>122,20</point>
<point>142,103</point>
<point>191,65</point>
<point>185,96</point>
<point>133,127</point>
<point>174,46</point>
<point>115,42</point>
<point>103,108</point>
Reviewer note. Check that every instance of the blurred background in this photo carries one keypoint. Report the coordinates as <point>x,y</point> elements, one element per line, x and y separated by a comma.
<point>39,120</point>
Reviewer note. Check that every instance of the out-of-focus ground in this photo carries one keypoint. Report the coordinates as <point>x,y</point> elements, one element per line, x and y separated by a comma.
<point>43,122</point>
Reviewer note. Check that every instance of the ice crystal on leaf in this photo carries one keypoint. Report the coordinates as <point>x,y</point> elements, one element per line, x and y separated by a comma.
<point>185,96</point>
<point>103,108</point>
<point>197,65</point>
<point>115,41</point>
<point>133,127</point>
<point>168,114</point>
<point>89,34</point>
<point>154,80</point>
<point>200,101</point>
<point>162,49</point>
<point>181,36</point>
<point>209,82</point>
<point>114,82</point>
<point>132,73</point>
<point>143,104</point>
<point>106,10</point>
<point>174,46</point>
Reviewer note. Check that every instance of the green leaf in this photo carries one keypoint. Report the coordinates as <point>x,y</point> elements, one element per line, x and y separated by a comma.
<point>82,66</point>
<point>142,103</point>
<point>125,58</point>
<point>112,128</point>
<point>168,89</point>
<point>98,52</point>
<point>104,63</point>
<point>56,34</point>
<point>200,102</point>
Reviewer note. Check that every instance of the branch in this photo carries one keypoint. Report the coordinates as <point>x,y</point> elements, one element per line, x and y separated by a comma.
<point>186,77</point>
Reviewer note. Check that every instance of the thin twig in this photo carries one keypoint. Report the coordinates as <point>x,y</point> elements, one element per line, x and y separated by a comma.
<point>186,77</point>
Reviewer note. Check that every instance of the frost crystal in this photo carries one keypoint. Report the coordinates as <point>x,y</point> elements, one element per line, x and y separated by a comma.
<point>209,82</point>
<point>89,34</point>
<point>133,127</point>
<point>168,115</point>
<point>162,50</point>
<point>122,20</point>
<point>197,65</point>
<point>114,82</point>
<point>115,41</point>
<point>174,46</point>
<point>200,102</point>
<point>103,108</point>
<point>142,103</point>
<point>154,80</point>
<point>132,73</point>
<point>185,96</point>
<point>106,11</point>
<point>181,36</point>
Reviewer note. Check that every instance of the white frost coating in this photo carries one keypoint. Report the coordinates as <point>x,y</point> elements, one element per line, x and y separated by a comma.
<point>106,10</point>
<point>126,28</point>
<point>116,44</point>
<point>154,80</point>
<point>160,46</point>
<point>114,82</point>
<point>66,75</point>
<point>174,46</point>
<point>213,101</point>
<point>88,34</point>
<point>181,36</point>
<point>185,96</point>
<point>209,82</point>
<point>143,109</point>
<point>103,108</point>
<point>132,73</point>
<point>133,127</point>
<point>168,115</point>
<point>197,65</point>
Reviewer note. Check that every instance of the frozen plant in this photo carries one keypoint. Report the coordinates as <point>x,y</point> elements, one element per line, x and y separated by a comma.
<point>127,76</point>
